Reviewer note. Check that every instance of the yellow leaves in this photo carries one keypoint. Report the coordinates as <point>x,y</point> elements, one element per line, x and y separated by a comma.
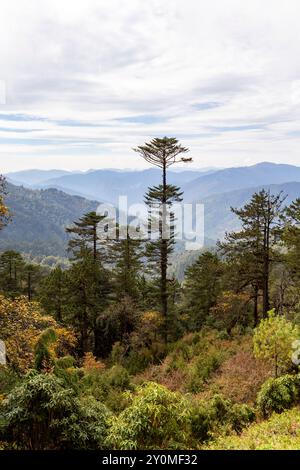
<point>3,208</point>
<point>153,318</point>
<point>21,323</point>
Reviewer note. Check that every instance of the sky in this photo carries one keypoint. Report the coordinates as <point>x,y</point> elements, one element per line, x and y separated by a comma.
<point>83,82</point>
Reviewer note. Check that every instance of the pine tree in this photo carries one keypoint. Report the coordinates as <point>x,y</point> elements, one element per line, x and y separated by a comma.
<point>202,287</point>
<point>53,294</point>
<point>89,288</point>
<point>32,276</point>
<point>126,256</point>
<point>86,236</point>
<point>291,238</point>
<point>251,251</point>
<point>163,153</point>
<point>11,269</point>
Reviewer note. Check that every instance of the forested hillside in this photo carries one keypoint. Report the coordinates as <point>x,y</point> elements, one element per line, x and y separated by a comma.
<point>39,219</point>
<point>111,351</point>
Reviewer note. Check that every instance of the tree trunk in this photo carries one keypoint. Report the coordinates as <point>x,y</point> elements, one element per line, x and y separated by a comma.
<point>164,257</point>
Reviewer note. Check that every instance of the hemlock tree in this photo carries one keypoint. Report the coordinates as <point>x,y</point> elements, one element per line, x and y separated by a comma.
<point>163,153</point>
<point>252,250</point>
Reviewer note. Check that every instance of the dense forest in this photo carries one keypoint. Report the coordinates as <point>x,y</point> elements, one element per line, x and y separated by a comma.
<point>111,351</point>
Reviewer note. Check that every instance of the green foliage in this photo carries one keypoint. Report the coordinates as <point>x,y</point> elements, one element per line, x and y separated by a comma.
<point>126,255</point>
<point>107,385</point>
<point>291,238</point>
<point>231,311</point>
<point>155,419</point>
<point>280,432</point>
<point>53,294</point>
<point>276,395</point>
<point>117,322</point>
<point>40,218</point>
<point>163,153</point>
<point>41,413</point>
<point>219,416</point>
<point>8,379</point>
<point>251,251</point>
<point>202,286</point>
<point>88,289</point>
<point>197,355</point>
<point>43,355</point>
<point>273,340</point>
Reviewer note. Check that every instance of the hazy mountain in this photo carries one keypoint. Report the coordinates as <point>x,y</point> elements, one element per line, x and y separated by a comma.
<point>231,179</point>
<point>218,216</point>
<point>31,177</point>
<point>39,218</point>
<point>108,185</point>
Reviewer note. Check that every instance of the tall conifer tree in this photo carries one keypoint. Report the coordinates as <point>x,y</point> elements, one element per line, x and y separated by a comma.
<point>163,153</point>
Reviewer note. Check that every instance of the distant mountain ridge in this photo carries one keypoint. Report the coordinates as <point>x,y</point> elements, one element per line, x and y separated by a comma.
<point>108,185</point>
<point>31,177</point>
<point>39,217</point>
<point>105,185</point>
<point>231,179</point>
<point>218,215</point>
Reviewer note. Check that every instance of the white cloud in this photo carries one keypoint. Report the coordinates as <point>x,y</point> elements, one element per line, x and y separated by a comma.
<point>87,80</point>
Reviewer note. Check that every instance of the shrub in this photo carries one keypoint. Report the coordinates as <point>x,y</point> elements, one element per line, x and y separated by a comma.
<point>273,340</point>
<point>201,371</point>
<point>219,416</point>
<point>278,394</point>
<point>156,418</point>
<point>279,432</point>
<point>8,380</point>
<point>107,385</point>
<point>118,377</point>
<point>41,413</point>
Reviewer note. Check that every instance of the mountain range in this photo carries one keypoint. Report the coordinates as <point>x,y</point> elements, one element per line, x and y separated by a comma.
<point>39,216</point>
<point>103,185</point>
<point>108,185</point>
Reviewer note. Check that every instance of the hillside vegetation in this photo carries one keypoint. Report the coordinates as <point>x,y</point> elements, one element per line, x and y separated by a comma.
<point>111,351</point>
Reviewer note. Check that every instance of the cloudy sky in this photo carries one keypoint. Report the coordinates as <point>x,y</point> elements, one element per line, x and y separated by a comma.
<point>86,80</point>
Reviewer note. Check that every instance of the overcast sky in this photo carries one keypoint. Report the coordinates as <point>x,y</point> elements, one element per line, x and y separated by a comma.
<point>88,80</point>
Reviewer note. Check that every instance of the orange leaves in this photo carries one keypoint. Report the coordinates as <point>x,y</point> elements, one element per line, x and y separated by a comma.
<point>91,364</point>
